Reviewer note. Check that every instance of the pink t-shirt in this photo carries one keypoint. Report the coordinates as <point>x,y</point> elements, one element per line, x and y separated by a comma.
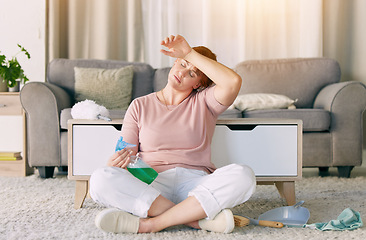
<point>177,138</point>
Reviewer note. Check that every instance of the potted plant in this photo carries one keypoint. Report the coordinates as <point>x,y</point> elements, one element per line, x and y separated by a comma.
<point>11,72</point>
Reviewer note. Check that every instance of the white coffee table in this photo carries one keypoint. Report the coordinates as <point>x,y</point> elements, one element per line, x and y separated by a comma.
<point>272,147</point>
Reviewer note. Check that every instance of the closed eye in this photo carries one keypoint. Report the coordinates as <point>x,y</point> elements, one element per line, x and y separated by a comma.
<point>192,73</point>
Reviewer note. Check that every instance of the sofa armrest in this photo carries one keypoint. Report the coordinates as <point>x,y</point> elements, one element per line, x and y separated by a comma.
<point>346,102</point>
<point>43,103</point>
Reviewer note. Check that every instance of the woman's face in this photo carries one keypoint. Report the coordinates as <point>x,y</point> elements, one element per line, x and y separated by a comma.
<point>184,75</point>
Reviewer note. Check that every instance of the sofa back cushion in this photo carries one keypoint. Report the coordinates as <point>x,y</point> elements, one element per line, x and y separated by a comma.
<point>111,88</point>
<point>161,78</point>
<point>297,78</point>
<point>61,73</point>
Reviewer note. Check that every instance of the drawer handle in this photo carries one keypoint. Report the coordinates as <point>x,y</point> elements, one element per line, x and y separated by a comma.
<point>241,127</point>
<point>2,105</point>
<point>117,126</point>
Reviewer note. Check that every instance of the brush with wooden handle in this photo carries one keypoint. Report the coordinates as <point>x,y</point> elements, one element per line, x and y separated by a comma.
<point>241,221</point>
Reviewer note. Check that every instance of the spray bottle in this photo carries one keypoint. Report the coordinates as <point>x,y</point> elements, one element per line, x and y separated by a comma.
<point>137,167</point>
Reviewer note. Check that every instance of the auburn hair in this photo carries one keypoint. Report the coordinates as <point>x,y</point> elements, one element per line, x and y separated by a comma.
<point>205,81</point>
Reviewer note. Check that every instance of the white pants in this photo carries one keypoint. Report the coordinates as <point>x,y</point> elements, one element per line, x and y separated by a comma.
<point>227,187</point>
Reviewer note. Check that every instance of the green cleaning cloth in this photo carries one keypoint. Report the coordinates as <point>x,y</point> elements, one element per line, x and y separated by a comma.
<point>347,220</point>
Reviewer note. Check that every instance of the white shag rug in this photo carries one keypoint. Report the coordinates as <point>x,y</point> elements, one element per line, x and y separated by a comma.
<point>35,208</point>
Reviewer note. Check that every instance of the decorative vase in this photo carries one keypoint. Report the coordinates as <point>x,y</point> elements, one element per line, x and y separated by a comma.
<point>15,88</point>
<point>3,86</point>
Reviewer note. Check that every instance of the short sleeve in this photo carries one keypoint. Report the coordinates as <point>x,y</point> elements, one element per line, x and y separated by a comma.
<point>130,126</point>
<point>214,106</point>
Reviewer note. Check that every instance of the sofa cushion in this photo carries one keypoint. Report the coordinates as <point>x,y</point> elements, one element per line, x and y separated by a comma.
<point>110,88</point>
<point>298,78</point>
<point>314,120</point>
<point>257,101</point>
<point>66,115</point>
<point>231,113</point>
<point>161,78</point>
<point>61,73</point>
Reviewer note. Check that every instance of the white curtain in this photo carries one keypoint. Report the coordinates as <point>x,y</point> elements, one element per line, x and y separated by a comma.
<point>99,29</point>
<point>235,30</point>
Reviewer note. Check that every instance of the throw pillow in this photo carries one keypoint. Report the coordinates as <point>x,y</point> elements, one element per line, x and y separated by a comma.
<point>257,101</point>
<point>111,88</point>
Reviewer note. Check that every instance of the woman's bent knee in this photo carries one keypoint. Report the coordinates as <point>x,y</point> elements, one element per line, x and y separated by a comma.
<point>227,187</point>
<point>103,179</point>
<point>240,180</point>
<point>244,173</point>
<point>238,174</point>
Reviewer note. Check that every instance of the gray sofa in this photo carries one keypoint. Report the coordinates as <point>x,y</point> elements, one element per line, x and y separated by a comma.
<point>331,110</point>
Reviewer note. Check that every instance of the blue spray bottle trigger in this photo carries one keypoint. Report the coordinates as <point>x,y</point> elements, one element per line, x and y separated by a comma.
<point>122,144</point>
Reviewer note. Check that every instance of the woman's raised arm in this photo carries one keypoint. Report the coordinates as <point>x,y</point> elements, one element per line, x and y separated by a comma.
<point>227,82</point>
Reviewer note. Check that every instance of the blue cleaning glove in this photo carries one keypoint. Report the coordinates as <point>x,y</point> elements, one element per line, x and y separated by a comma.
<point>122,144</point>
<point>347,220</point>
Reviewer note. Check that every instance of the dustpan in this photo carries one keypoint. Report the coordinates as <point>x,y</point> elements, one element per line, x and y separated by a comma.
<point>291,216</point>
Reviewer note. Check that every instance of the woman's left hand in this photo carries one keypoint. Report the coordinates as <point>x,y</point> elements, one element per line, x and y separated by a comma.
<point>120,158</point>
<point>177,46</point>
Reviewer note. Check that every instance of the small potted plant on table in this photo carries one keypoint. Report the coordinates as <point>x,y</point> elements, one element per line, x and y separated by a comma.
<point>11,72</point>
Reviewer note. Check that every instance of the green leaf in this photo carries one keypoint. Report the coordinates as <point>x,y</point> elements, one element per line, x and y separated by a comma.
<point>2,59</point>
<point>25,51</point>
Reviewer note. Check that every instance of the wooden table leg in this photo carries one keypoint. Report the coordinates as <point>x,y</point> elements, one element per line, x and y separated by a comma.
<point>81,190</point>
<point>287,191</point>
